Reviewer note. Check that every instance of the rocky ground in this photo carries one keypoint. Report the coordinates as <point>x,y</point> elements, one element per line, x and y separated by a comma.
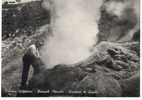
<point>112,70</point>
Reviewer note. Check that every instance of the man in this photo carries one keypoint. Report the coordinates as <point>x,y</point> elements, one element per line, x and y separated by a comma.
<point>31,57</point>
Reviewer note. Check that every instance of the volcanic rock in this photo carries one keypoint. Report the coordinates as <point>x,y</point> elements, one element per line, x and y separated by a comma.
<point>110,71</point>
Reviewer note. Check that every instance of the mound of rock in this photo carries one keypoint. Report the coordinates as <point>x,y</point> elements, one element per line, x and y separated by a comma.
<point>113,70</point>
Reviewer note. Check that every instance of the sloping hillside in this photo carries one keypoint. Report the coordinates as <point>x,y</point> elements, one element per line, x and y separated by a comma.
<point>20,28</point>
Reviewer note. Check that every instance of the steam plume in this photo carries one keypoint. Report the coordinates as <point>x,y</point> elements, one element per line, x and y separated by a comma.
<point>74,28</point>
<point>119,20</point>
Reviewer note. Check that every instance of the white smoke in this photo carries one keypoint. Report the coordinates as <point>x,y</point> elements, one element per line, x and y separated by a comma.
<point>74,28</point>
<point>125,10</point>
<point>117,7</point>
